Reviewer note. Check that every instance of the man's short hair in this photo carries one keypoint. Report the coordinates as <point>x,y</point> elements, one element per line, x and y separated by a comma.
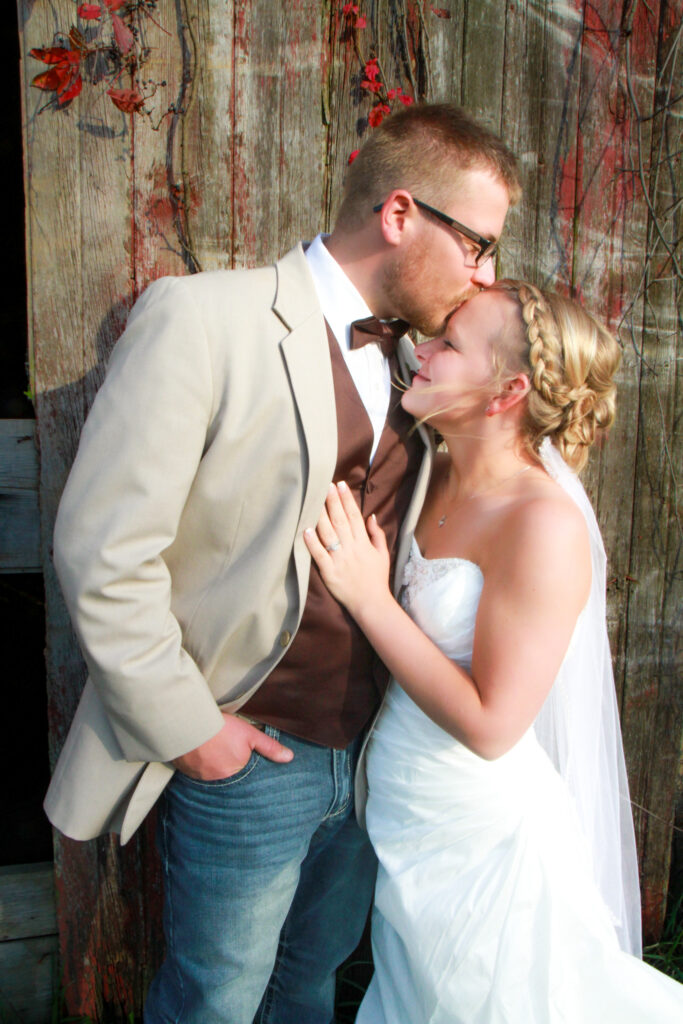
<point>423,149</point>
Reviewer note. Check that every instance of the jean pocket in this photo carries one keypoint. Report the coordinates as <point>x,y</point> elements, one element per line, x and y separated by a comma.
<point>230,780</point>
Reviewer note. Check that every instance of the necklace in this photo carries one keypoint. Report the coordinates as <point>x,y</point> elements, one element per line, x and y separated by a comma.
<point>484,490</point>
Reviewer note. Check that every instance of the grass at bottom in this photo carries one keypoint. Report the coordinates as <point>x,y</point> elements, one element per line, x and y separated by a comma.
<point>353,977</point>
<point>667,954</point>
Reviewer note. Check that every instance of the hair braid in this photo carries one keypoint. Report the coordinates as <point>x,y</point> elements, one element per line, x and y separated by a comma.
<point>571,360</point>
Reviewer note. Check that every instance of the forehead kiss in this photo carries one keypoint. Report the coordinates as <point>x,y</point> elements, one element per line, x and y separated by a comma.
<point>484,318</point>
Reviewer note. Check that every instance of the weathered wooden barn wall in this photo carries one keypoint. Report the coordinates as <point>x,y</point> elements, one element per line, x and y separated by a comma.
<point>252,109</point>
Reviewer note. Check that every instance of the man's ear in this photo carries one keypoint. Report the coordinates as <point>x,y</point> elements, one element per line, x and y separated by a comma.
<point>396,212</point>
<point>511,393</point>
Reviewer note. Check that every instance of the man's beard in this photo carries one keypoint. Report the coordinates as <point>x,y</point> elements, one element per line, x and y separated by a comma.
<point>405,290</point>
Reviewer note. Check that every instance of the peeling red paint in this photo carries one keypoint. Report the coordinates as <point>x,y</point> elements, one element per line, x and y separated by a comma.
<point>598,31</point>
<point>653,900</point>
<point>113,929</point>
<point>241,37</point>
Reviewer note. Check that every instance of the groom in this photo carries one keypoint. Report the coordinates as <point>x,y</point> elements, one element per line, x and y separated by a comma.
<point>221,673</point>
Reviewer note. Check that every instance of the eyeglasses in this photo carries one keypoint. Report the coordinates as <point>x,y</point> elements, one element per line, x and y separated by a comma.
<point>487,248</point>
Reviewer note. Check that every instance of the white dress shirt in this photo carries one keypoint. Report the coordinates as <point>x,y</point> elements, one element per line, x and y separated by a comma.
<point>341,304</point>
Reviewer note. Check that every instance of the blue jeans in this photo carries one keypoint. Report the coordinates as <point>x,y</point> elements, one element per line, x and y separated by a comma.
<point>268,880</point>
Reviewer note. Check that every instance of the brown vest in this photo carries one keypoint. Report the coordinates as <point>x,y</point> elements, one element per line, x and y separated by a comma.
<point>329,683</point>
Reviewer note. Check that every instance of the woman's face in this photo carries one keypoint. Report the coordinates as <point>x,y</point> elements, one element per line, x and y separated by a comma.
<point>456,378</point>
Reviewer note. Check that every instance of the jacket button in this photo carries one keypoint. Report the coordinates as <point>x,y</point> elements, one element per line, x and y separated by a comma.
<point>285,637</point>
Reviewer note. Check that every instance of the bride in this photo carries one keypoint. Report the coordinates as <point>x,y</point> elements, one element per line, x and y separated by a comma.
<point>498,805</point>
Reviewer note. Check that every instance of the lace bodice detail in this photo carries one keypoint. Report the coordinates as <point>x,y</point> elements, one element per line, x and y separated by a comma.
<point>442,595</point>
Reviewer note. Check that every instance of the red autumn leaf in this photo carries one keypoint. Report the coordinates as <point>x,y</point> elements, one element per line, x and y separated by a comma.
<point>48,80</point>
<point>393,93</point>
<point>115,5</point>
<point>349,9</point>
<point>377,114</point>
<point>441,12</point>
<point>63,77</point>
<point>56,55</point>
<point>127,100</point>
<point>353,155</point>
<point>370,86</point>
<point>371,69</point>
<point>406,100</point>
<point>63,80</point>
<point>90,12</point>
<point>125,40</point>
<point>70,90</point>
<point>361,21</point>
<point>77,40</point>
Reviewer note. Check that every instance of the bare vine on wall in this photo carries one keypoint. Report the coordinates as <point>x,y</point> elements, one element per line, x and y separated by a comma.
<point>374,79</point>
<point>103,57</point>
<point>655,171</point>
<point>411,46</point>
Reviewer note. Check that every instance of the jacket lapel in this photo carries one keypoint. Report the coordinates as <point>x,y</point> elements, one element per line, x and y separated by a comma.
<point>306,354</point>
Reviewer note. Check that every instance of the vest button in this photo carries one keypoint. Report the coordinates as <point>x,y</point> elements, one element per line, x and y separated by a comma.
<point>285,637</point>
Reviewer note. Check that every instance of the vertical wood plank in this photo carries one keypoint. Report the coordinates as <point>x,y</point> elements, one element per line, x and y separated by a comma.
<point>610,229</point>
<point>256,152</point>
<point>302,136</point>
<point>19,511</point>
<point>162,194</point>
<point>345,107</point>
<point>539,119</point>
<point>446,37</point>
<point>56,312</point>
<point>653,706</point>
<point>54,273</point>
<point>484,61</point>
<point>210,155</point>
<point>279,141</point>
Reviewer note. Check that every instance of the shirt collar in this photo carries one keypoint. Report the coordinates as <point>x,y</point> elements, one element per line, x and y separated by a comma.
<point>340,300</point>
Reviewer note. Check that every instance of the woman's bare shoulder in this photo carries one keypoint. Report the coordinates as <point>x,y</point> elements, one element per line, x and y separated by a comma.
<point>542,535</point>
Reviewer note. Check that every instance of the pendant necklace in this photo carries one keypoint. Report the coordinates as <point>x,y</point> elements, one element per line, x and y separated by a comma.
<point>485,490</point>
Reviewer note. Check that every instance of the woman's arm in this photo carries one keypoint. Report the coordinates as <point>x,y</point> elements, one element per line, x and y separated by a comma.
<point>536,580</point>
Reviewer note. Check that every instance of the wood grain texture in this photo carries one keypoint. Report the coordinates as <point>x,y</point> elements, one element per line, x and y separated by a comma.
<point>255,109</point>
<point>27,971</point>
<point>28,943</point>
<point>19,511</point>
<point>653,702</point>
<point>27,901</point>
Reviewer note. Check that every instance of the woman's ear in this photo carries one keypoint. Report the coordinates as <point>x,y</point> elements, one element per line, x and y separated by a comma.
<point>512,392</point>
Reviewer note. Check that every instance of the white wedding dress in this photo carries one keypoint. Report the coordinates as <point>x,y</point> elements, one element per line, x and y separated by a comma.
<point>486,909</point>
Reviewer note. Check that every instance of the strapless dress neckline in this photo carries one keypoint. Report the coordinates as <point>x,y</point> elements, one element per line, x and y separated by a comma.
<point>486,907</point>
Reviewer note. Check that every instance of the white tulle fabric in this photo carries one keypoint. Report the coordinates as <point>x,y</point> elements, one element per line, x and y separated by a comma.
<point>488,905</point>
<point>579,728</point>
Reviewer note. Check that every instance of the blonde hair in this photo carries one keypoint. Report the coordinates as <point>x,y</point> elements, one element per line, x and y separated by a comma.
<point>571,359</point>
<point>423,148</point>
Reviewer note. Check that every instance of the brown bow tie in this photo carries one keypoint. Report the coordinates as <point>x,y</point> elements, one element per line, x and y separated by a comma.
<point>372,329</point>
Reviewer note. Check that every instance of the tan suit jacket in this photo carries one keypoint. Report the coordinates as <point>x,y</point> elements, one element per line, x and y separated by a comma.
<point>178,542</point>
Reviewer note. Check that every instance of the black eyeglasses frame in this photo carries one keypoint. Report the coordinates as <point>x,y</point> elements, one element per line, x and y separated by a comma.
<point>487,248</point>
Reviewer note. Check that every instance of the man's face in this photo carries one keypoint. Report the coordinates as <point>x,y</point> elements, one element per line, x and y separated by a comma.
<point>435,271</point>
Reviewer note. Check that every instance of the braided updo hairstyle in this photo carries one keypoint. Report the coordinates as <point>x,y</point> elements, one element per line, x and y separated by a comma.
<point>570,359</point>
